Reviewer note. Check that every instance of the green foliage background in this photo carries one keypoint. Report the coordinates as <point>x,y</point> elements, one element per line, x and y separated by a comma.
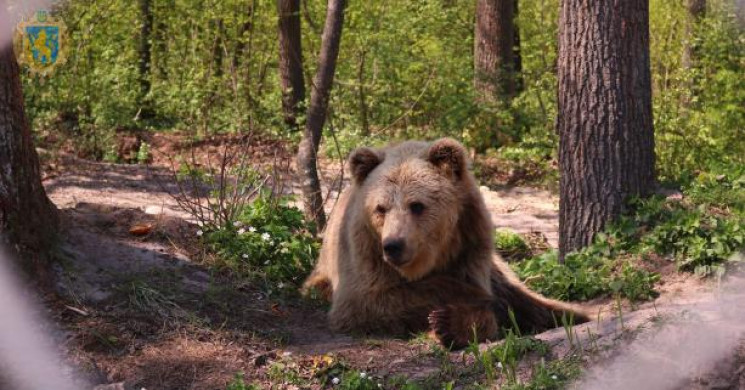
<point>214,69</point>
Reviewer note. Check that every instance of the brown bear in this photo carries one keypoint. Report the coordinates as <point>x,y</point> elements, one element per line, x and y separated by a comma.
<point>409,247</point>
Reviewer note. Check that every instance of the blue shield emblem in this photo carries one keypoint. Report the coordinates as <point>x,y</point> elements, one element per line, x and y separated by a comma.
<point>41,43</point>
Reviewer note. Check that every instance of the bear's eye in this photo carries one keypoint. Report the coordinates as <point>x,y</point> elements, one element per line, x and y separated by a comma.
<point>380,209</point>
<point>417,208</point>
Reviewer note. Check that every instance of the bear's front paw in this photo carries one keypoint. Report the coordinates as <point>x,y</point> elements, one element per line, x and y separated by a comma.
<point>441,323</point>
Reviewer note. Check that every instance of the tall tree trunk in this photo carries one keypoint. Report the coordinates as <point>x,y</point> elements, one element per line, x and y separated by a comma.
<point>218,47</point>
<point>606,139</point>
<point>161,38</point>
<point>316,117</point>
<point>517,55</point>
<point>494,57</point>
<point>361,96</point>
<point>291,61</point>
<point>28,220</point>
<point>696,12</point>
<point>144,53</point>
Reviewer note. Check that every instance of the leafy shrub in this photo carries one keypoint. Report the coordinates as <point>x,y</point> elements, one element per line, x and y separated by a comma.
<point>143,153</point>
<point>723,188</point>
<point>239,384</point>
<point>269,238</point>
<point>510,245</point>
<point>587,274</point>
<point>696,239</point>
<point>355,380</point>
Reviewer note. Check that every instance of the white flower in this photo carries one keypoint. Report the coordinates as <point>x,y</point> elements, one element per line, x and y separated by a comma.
<point>200,233</point>
<point>554,377</point>
<point>336,381</point>
<point>266,262</point>
<point>245,256</point>
<point>252,229</point>
<point>499,365</point>
<point>237,223</point>
<point>281,285</point>
<point>363,375</point>
<point>241,231</point>
<point>284,250</point>
<point>266,236</point>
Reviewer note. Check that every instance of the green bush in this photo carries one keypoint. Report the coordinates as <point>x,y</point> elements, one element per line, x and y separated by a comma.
<point>510,245</point>
<point>587,274</point>
<point>355,380</point>
<point>239,384</point>
<point>722,188</point>
<point>269,238</point>
<point>696,239</point>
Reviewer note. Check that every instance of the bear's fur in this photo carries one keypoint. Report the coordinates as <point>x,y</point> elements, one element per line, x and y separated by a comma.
<point>409,247</point>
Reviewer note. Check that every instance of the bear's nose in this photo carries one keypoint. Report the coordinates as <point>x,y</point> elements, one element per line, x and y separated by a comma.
<point>394,249</point>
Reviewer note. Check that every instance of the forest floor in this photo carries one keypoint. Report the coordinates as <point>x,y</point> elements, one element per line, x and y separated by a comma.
<point>147,312</point>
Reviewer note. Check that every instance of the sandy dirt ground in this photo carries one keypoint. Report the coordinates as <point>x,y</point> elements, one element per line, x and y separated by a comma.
<point>145,312</point>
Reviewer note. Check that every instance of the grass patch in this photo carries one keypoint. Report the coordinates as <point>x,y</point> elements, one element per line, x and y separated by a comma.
<point>553,375</point>
<point>239,384</point>
<point>502,359</point>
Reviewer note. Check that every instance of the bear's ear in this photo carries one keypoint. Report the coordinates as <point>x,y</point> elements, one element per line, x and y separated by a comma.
<point>449,157</point>
<point>362,161</point>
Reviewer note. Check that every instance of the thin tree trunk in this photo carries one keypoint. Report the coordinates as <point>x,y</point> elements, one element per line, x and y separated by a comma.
<point>740,12</point>
<point>316,117</point>
<point>218,47</point>
<point>28,220</point>
<point>696,12</point>
<point>517,56</point>
<point>291,61</point>
<point>362,98</point>
<point>606,146</point>
<point>144,53</point>
<point>161,38</point>
<point>494,39</point>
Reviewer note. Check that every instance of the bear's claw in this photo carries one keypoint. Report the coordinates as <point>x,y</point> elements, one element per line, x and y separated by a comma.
<point>441,325</point>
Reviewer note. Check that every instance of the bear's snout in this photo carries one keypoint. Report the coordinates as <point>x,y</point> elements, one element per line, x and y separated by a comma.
<point>393,248</point>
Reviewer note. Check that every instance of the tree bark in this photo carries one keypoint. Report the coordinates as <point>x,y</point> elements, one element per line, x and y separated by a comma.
<point>291,61</point>
<point>160,36</point>
<point>696,12</point>
<point>361,95</point>
<point>218,47</point>
<point>740,12</point>
<point>606,138</point>
<point>144,53</point>
<point>494,57</point>
<point>317,110</point>
<point>517,55</point>
<point>28,220</point>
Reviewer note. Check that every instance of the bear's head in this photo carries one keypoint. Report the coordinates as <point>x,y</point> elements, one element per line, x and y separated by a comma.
<point>412,199</point>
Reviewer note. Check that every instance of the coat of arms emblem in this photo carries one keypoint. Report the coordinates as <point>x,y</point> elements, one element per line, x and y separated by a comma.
<point>41,42</point>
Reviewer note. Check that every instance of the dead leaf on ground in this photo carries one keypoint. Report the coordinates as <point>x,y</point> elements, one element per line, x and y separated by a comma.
<point>140,230</point>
